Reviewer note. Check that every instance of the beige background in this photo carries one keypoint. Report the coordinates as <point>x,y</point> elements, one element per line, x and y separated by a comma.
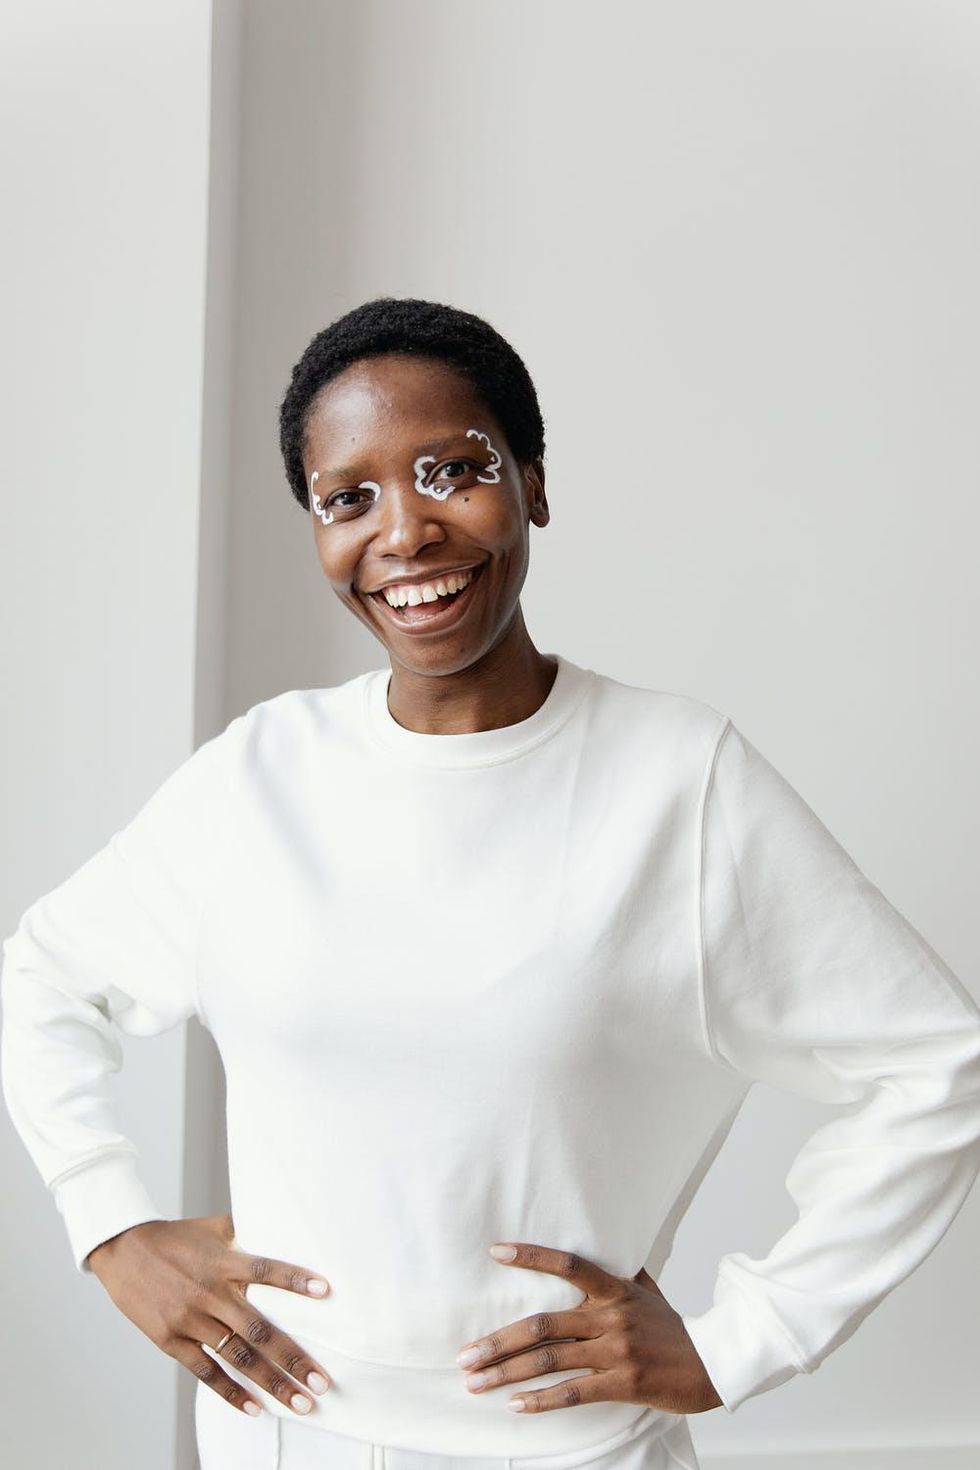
<point>735,244</point>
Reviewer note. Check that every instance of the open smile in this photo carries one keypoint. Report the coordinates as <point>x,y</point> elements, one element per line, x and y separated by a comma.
<point>432,615</point>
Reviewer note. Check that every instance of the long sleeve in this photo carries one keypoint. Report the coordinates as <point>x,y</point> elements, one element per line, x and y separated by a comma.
<point>815,984</point>
<point>111,949</point>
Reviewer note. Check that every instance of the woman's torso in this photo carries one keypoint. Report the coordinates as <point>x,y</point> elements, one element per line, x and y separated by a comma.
<point>455,991</point>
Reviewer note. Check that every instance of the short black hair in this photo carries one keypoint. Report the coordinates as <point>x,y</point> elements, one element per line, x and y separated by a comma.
<point>430,329</point>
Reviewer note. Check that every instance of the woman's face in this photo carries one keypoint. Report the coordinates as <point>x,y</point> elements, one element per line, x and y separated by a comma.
<point>438,500</point>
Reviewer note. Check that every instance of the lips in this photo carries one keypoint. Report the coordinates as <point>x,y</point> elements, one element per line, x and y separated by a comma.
<point>434,616</point>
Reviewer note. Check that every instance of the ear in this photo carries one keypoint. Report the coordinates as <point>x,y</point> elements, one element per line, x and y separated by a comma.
<point>537,501</point>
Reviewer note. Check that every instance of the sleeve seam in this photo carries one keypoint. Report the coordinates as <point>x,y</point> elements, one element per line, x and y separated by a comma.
<point>87,1160</point>
<point>702,962</point>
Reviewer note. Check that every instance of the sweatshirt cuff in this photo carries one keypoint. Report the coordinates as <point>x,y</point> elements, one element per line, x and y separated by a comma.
<point>745,1351</point>
<point>100,1200</point>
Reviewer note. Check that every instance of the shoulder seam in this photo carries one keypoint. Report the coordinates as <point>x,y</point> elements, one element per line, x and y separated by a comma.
<point>706,786</point>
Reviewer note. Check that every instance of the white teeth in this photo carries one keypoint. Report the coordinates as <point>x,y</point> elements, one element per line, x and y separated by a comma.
<point>411,596</point>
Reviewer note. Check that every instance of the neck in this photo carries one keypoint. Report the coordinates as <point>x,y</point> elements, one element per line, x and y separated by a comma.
<point>508,684</point>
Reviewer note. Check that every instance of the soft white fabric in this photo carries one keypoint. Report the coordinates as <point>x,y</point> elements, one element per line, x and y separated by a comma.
<point>228,1439</point>
<point>506,985</point>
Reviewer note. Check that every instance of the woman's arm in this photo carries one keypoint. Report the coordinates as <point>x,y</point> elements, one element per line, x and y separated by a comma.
<point>814,983</point>
<point>112,949</point>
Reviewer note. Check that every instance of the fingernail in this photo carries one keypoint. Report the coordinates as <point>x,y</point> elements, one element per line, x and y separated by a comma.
<point>516,1404</point>
<point>475,1380</point>
<point>300,1404</point>
<point>471,1355</point>
<point>317,1382</point>
<point>503,1252</point>
<point>251,1407</point>
<point>316,1287</point>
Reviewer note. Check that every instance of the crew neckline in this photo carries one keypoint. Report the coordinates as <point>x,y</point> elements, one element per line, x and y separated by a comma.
<point>475,747</point>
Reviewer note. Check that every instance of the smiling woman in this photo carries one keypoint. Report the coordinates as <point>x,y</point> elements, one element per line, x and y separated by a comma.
<point>420,456</point>
<point>471,1092</point>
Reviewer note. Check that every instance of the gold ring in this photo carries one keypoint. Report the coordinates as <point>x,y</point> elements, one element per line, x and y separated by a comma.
<point>221,1344</point>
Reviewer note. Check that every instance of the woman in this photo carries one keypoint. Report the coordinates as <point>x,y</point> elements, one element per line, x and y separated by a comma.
<point>493,947</point>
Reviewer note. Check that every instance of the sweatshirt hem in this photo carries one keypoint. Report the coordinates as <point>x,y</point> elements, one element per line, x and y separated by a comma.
<point>430,1410</point>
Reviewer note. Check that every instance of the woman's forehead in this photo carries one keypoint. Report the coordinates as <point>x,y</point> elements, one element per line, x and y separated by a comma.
<point>419,408</point>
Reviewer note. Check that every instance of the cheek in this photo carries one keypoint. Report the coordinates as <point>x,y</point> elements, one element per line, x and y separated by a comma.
<point>334,562</point>
<point>491,515</point>
<point>327,562</point>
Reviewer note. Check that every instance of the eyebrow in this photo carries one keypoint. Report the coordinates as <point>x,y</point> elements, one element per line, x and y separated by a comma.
<point>431,446</point>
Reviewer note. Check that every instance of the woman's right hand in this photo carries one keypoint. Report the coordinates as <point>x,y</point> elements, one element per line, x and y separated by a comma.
<point>182,1282</point>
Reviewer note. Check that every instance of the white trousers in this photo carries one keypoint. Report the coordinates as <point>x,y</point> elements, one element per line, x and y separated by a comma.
<point>228,1439</point>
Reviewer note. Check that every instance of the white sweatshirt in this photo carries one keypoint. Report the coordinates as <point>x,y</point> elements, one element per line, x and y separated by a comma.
<point>506,985</point>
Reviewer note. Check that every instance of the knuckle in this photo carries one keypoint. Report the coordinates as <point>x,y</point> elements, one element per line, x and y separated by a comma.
<point>279,1385</point>
<point>571,1394</point>
<point>260,1269</point>
<point>570,1263</point>
<point>181,1315</point>
<point>239,1354</point>
<point>198,1290</point>
<point>296,1280</point>
<point>206,1370</point>
<point>495,1344</point>
<point>541,1325</point>
<point>547,1359</point>
<point>294,1361</point>
<point>258,1330</point>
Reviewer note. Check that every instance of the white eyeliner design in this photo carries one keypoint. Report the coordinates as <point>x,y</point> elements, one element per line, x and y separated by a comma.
<point>318,504</point>
<point>491,477</point>
<point>423,460</point>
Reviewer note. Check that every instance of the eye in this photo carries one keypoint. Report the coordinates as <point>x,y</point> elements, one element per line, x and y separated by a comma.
<point>463,464</point>
<point>344,504</point>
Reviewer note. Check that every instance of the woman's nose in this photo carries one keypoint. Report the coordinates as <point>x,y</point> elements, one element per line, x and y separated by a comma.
<point>405,519</point>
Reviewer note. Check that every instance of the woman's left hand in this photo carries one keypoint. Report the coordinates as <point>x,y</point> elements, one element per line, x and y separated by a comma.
<point>625,1330</point>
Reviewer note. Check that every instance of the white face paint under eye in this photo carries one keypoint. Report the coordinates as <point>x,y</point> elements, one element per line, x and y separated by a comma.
<point>419,468</point>
<point>318,504</point>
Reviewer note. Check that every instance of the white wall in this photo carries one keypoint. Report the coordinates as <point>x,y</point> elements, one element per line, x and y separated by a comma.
<point>103,153</point>
<point>735,245</point>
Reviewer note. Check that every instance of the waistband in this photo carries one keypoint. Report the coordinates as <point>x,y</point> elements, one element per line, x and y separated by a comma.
<point>430,1410</point>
